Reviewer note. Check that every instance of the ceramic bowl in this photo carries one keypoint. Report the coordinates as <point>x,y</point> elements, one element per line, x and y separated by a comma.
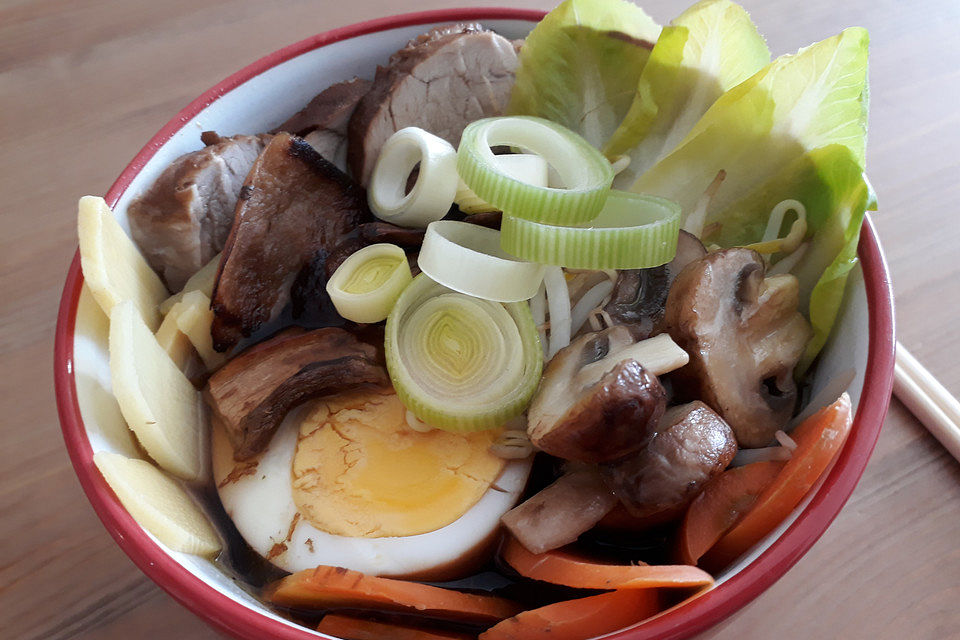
<point>260,97</point>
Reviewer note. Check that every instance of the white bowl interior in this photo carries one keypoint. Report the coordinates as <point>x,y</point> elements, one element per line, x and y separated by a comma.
<point>264,102</point>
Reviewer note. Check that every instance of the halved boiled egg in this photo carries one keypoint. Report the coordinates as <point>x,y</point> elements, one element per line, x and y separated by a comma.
<point>346,482</point>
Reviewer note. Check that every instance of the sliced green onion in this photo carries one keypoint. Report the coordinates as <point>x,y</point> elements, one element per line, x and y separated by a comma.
<point>431,195</point>
<point>467,258</point>
<point>366,286</point>
<point>461,363</point>
<point>634,231</point>
<point>584,173</point>
<point>524,167</point>
<point>789,243</point>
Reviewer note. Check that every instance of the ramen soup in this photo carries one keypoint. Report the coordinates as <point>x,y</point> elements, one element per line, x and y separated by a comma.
<point>504,339</point>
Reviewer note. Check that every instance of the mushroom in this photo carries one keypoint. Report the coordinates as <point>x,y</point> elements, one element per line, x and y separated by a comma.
<point>638,298</point>
<point>600,398</point>
<point>744,336</point>
<point>692,445</point>
<point>640,295</point>
<point>558,514</point>
<point>250,395</point>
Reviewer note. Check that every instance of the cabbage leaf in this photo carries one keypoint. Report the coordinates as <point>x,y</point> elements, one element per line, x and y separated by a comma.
<point>709,48</point>
<point>580,66</point>
<point>797,103</point>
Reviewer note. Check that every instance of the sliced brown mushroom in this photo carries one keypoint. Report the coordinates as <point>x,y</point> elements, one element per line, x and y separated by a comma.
<point>596,401</point>
<point>558,514</point>
<point>292,205</point>
<point>689,250</point>
<point>640,295</point>
<point>693,444</point>
<point>638,298</point>
<point>251,394</point>
<point>744,336</point>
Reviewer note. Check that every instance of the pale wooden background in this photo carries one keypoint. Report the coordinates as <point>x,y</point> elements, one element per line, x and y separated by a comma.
<point>84,84</point>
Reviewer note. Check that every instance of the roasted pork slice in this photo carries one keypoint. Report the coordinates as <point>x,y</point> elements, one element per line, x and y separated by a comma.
<point>250,395</point>
<point>323,122</point>
<point>293,205</point>
<point>184,218</point>
<point>441,82</point>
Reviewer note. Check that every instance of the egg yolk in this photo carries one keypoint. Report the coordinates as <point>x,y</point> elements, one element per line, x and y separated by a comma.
<point>361,471</point>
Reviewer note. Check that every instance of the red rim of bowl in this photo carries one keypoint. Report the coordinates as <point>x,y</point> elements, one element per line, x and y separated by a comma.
<point>707,610</point>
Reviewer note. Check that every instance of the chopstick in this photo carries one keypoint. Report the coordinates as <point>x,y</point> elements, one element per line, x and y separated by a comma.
<point>928,400</point>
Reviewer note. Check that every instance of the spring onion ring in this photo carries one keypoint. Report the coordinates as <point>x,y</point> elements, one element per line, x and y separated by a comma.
<point>524,167</point>
<point>366,286</point>
<point>633,231</point>
<point>431,195</point>
<point>583,171</point>
<point>461,363</point>
<point>467,258</point>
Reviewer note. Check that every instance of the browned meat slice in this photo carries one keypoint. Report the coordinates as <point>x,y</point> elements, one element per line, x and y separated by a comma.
<point>251,394</point>
<point>693,445</point>
<point>293,205</point>
<point>183,219</point>
<point>440,82</point>
<point>323,122</point>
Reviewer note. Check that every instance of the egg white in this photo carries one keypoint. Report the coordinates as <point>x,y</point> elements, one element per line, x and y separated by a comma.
<point>260,503</point>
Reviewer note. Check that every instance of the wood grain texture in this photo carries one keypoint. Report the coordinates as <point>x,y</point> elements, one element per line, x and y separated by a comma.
<point>84,84</point>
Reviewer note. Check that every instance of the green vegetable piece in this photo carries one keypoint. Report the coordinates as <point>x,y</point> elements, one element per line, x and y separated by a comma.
<point>799,102</point>
<point>709,48</point>
<point>579,67</point>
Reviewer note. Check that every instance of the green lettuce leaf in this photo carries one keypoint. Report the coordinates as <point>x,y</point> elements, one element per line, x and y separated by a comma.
<point>797,103</point>
<point>709,48</point>
<point>580,66</point>
<point>830,183</point>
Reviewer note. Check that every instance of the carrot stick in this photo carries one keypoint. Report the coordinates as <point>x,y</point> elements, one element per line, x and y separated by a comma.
<point>358,629</point>
<point>818,439</point>
<point>578,619</point>
<point>565,568</point>
<point>724,500</point>
<point>335,587</point>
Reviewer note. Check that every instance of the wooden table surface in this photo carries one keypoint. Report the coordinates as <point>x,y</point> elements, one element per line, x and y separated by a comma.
<point>84,84</point>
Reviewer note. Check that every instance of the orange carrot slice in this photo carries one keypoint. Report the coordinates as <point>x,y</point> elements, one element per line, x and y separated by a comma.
<point>818,439</point>
<point>578,619</point>
<point>571,570</point>
<point>724,500</point>
<point>359,629</point>
<point>335,587</point>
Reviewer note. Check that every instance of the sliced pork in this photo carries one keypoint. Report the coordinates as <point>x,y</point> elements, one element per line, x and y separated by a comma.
<point>323,122</point>
<point>251,394</point>
<point>441,82</point>
<point>293,205</point>
<point>184,218</point>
